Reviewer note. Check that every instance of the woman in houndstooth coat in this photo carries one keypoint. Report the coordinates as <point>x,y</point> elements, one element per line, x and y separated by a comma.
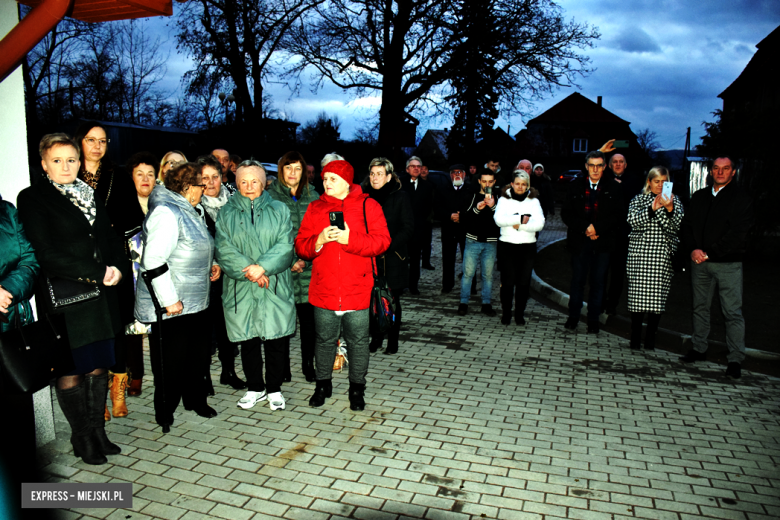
<point>655,221</point>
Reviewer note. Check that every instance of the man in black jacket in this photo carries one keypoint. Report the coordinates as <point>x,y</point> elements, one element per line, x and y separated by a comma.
<point>592,214</point>
<point>481,241</point>
<point>448,205</point>
<point>630,185</point>
<point>421,197</point>
<point>716,228</point>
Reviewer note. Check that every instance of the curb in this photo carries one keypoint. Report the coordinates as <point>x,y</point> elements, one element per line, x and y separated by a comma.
<point>561,298</point>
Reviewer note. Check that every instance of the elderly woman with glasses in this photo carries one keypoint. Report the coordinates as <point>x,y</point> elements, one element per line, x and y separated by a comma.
<point>255,250</point>
<point>383,185</point>
<point>178,255</point>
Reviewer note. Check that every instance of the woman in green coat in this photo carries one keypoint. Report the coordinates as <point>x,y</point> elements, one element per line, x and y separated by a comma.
<point>254,245</point>
<point>294,190</point>
<point>18,269</point>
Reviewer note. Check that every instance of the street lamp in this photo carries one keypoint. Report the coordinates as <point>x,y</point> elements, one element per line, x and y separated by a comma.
<point>226,99</point>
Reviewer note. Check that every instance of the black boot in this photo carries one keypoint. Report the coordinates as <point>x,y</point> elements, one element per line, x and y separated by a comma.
<point>73,402</point>
<point>229,377</point>
<point>653,319</point>
<point>356,401</point>
<point>322,391</point>
<point>96,388</point>
<point>636,330</point>
<point>307,363</point>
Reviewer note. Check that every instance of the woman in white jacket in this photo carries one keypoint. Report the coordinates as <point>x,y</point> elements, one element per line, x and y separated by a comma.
<point>520,217</point>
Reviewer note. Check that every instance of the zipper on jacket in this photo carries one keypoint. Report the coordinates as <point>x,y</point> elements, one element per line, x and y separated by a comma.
<point>252,211</point>
<point>345,220</point>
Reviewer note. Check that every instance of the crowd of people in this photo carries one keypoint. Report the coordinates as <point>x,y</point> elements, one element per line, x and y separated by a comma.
<point>211,256</point>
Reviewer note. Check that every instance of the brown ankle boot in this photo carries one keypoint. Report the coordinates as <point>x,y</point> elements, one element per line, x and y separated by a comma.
<point>134,388</point>
<point>117,393</point>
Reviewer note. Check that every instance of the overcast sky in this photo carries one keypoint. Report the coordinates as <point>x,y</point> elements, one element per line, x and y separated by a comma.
<point>659,64</point>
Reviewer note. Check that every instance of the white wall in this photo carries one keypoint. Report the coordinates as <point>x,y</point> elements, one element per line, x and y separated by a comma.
<point>14,175</point>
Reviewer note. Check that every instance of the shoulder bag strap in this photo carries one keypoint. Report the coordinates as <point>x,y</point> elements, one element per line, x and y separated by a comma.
<point>365,221</point>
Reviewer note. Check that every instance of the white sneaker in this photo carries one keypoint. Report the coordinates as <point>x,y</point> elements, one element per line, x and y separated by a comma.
<point>251,398</point>
<point>276,401</point>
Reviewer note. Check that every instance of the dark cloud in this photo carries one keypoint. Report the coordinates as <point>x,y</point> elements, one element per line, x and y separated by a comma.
<point>633,39</point>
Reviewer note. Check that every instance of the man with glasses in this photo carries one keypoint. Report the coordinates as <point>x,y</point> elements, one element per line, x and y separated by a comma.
<point>592,214</point>
<point>421,197</point>
<point>448,206</point>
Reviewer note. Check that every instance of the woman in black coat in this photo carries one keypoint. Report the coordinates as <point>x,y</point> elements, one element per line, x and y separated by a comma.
<point>116,191</point>
<point>71,233</point>
<point>383,185</point>
<point>543,185</point>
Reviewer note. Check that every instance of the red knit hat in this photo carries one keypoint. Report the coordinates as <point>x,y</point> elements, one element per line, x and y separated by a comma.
<point>341,168</point>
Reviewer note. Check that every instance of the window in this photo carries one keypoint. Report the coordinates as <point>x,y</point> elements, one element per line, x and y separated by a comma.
<point>580,145</point>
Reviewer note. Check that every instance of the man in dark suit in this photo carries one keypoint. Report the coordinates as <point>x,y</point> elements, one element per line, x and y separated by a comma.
<point>591,212</point>
<point>630,185</point>
<point>716,229</point>
<point>448,205</point>
<point>421,196</point>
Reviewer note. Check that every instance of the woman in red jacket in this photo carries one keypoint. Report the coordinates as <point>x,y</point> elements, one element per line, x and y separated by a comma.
<point>341,279</point>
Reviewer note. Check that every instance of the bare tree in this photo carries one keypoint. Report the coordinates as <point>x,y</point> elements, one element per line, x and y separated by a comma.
<point>236,41</point>
<point>139,68</point>
<point>648,142</point>
<point>409,50</point>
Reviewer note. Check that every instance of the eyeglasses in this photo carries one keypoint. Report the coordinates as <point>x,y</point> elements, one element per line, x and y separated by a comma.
<point>414,166</point>
<point>596,166</point>
<point>377,175</point>
<point>201,186</point>
<point>457,172</point>
<point>92,141</point>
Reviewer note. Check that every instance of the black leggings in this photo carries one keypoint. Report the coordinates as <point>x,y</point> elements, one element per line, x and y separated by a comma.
<point>516,263</point>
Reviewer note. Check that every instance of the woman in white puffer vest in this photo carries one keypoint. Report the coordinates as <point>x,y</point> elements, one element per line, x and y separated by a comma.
<point>520,217</point>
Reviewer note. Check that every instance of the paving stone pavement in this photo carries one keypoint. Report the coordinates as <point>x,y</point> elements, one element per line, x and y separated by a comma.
<point>470,419</point>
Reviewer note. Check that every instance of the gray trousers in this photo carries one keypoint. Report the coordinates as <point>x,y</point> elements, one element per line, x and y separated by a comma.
<point>354,327</point>
<point>727,277</point>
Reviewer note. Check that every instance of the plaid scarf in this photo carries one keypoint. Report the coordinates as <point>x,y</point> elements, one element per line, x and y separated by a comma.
<point>591,202</point>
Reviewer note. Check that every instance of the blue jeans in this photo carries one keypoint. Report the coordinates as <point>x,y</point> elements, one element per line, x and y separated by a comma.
<point>588,259</point>
<point>485,253</point>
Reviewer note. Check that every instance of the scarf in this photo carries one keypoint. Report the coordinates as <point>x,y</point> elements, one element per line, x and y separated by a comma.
<point>81,195</point>
<point>517,197</point>
<point>91,178</point>
<point>591,202</point>
<point>382,193</point>
<point>212,205</point>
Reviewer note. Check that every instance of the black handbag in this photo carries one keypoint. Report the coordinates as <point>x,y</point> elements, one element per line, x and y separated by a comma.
<point>381,311</point>
<point>31,355</point>
<point>63,292</point>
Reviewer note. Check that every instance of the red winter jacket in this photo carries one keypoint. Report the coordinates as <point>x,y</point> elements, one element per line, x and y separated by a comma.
<point>341,277</point>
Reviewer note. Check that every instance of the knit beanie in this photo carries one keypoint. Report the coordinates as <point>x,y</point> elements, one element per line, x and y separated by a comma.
<point>538,166</point>
<point>341,168</point>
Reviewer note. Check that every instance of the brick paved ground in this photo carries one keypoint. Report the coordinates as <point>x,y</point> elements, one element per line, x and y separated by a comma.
<point>470,420</point>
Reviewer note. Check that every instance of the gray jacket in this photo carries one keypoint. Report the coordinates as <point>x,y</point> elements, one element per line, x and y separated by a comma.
<point>174,233</point>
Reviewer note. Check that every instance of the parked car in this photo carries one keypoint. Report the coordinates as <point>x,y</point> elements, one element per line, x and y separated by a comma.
<point>561,184</point>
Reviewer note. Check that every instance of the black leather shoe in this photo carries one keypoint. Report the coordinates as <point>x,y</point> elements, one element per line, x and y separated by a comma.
<point>232,380</point>
<point>322,391</point>
<point>463,309</point>
<point>571,323</point>
<point>414,292</point>
<point>693,356</point>
<point>85,448</point>
<point>593,327</point>
<point>429,267</point>
<point>166,428</point>
<point>205,410</point>
<point>506,319</point>
<point>288,377</point>
<point>357,402</point>
<point>487,310</point>
<point>520,319</point>
<point>734,370</point>
<point>446,290</point>
<point>390,351</point>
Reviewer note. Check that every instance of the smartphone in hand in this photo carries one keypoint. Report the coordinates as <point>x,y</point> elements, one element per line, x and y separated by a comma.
<point>337,219</point>
<point>667,190</point>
